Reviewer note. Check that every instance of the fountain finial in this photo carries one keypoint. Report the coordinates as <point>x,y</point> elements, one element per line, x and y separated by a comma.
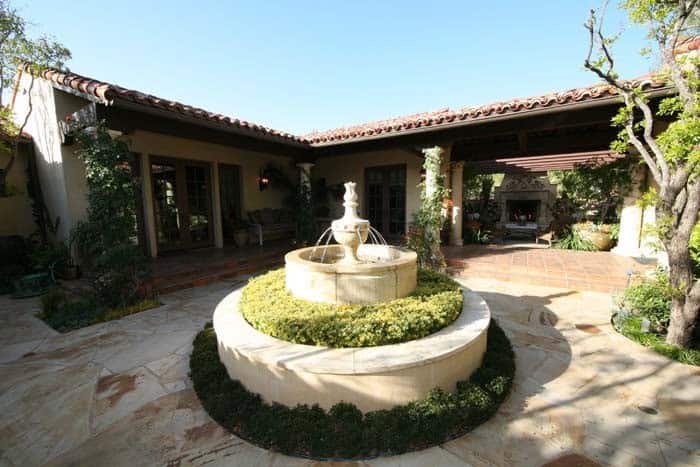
<point>350,231</point>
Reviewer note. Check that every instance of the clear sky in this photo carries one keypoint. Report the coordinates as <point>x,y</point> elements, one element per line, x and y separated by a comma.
<point>302,65</point>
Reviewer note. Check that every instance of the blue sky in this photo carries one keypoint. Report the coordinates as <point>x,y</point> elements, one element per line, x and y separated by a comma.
<point>312,65</point>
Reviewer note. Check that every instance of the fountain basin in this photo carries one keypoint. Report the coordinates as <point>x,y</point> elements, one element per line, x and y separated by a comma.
<point>384,273</point>
<point>371,378</point>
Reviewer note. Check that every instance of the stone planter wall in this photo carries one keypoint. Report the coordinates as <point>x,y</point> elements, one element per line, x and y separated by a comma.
<point>372,378</point>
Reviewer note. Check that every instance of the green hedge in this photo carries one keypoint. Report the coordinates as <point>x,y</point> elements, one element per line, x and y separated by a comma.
<point>344,431</point>
<point>270,308</point>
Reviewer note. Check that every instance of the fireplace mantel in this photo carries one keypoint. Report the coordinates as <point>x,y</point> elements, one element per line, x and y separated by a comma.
<point>523,187</point>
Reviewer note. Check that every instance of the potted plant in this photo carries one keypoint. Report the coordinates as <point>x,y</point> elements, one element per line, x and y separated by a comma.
<point>241,234</point>
<point>597,234</point>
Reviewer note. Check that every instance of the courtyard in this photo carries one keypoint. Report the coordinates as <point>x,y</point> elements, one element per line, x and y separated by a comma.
<point>118,393</point>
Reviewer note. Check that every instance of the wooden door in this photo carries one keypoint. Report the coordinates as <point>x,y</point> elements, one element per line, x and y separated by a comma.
<point>385,195</point>
<point>181,203</point>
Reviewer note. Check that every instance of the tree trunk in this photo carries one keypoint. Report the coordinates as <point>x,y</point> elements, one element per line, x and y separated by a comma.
<point>685,304</point>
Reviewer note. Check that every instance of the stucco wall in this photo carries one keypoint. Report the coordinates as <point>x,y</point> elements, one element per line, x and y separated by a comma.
<point>57,167</point>
<point>16,210</point>
<point>351,167</point>
<point>251,163</point>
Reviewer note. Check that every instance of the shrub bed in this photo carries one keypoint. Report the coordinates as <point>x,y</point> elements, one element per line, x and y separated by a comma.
<point>344,431</point>
<point>650,299</point>
<point>66,315</point>
<point>632,328</point>
<point>270,308</point>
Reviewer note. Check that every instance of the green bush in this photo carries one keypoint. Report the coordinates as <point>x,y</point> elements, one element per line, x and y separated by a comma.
<point>694,248</point>
<point>573,240</point>
<point>344,431</point>
<point>650,299</point>
<point>67,315</point>
<point>270,308</point>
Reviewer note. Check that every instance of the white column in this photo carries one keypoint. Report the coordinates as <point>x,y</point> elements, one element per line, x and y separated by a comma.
<point>457,214</point>
<point>631,218</point>
<point>149,221</point>
<point>216,206</point>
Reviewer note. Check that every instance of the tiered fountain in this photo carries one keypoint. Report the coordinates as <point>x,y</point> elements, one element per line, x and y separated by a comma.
<point>372,378</point>
<point>351,271</point>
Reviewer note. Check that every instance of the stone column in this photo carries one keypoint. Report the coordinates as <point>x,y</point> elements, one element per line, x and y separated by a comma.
<point>216,206</point>
<point>149,221</point>
<point>631,218</point>
<point>457,209</point>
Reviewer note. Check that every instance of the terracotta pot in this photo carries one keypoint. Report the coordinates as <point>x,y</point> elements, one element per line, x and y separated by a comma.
<point>240,237</point>
<point>601,240</point>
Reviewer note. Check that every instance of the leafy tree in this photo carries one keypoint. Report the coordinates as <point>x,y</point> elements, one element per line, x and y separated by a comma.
<point>672,154</point>
<point>595,187</point>
<point>16,48</point>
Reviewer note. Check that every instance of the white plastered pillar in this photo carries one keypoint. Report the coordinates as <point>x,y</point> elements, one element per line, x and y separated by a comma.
<point>632,217</point>
<point>457,178</point>
<point>216,206</point>
<point>149,220</point>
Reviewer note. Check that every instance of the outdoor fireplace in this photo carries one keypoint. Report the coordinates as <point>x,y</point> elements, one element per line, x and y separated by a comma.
<point>527,195</point>
<point>522,210</point>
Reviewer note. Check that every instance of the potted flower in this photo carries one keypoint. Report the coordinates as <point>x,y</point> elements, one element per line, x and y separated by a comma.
<point>241,233</point>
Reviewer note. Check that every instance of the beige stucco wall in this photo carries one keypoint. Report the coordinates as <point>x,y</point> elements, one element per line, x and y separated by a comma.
<point>16,210</point>
<point>351,167</point>
<point>251,162</point>
<point>60,173</point>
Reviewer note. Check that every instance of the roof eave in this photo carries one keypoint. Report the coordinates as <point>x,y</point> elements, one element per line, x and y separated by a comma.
<point>599,102</point>
<point>130,105</point>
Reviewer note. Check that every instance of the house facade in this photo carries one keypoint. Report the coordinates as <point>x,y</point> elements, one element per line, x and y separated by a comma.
<point>199,171</point>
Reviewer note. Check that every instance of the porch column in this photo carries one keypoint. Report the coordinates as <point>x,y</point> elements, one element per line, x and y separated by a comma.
<point>631,217</point>
<point>216,206</point>
<point>457,214</point>
<point>149,221</point>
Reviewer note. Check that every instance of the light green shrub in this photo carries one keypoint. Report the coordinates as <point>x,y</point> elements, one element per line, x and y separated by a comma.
<point>270,308</point>
<point>650,299</point>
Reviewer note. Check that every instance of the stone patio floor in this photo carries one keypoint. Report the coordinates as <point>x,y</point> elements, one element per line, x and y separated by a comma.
<point>118,393</point>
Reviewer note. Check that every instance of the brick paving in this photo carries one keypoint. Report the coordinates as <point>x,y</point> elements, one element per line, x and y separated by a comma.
<point>532,264</point>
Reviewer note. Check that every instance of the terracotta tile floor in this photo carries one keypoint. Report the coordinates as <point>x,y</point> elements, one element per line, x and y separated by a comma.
<point>533,264</point>
<point>182,270</point>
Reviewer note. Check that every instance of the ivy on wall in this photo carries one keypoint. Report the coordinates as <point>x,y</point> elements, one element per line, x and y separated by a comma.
<point>424,236</point>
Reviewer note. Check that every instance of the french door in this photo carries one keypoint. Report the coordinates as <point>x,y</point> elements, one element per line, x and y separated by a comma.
<point>181,203</point>
<point>385,195</point>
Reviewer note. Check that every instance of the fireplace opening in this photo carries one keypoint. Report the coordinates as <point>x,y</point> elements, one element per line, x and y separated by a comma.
<point>522,210</point>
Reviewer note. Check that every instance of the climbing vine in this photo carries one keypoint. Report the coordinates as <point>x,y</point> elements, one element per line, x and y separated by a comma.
<point>106,239</point>
<point>424,236</point>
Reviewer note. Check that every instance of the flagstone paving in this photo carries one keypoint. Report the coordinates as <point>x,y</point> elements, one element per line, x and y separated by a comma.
<point>118,394</point>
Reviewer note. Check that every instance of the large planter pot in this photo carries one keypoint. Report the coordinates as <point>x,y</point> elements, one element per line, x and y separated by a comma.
<point>601,240</point>
<point>240,237</point>
<point>68,273</point>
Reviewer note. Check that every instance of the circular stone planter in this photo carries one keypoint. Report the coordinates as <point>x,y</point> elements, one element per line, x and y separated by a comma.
<point>371,378</point>
<point>392,276</point>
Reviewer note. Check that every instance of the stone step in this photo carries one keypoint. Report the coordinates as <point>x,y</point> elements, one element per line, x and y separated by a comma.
<point>212,268</point>
<point>199,278</point>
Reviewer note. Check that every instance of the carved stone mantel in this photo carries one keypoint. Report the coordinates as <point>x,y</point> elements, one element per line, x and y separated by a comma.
<point>527,187</point>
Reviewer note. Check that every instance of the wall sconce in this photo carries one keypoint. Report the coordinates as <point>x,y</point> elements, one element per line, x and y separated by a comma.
<point>263,180</point>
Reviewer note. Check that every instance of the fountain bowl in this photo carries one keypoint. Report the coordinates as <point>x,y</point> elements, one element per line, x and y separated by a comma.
<point>383,273</point>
